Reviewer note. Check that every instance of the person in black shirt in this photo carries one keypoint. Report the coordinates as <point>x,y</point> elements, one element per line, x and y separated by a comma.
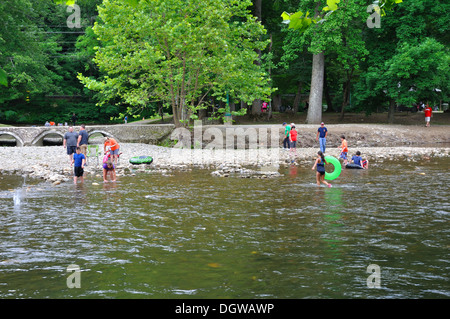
<point>74,119</point>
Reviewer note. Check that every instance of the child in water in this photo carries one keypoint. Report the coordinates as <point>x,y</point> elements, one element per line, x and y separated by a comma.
<point>78,160</point>
<point>109,167</point>
<point>357,159</point>
<point>344,149</point>
<point>365,163</point>
<point>320,165</point>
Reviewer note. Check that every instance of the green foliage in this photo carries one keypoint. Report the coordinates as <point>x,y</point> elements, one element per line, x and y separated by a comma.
<point>408,56</point>
<point>178,53</point>
<point>60,112</point>
<point>25,49</point>
<point>413,74</point>
<point>3,78</point>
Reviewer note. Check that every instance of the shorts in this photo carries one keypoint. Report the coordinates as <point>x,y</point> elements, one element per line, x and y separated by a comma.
<point>293,144</point>
<point>115,152</point>
<point>71,150</point>
<point>78,171</point>
<point>343,155</point>
<point>83,149</point>
<point>427,119</point>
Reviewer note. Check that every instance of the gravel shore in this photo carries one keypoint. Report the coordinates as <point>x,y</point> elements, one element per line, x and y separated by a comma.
<point>51,163</point>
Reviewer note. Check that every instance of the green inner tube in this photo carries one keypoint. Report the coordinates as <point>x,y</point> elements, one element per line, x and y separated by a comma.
<point>141,160</point>
<point>337,168</point>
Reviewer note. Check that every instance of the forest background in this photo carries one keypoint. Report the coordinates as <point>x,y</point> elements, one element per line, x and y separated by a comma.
<point>53,64</point>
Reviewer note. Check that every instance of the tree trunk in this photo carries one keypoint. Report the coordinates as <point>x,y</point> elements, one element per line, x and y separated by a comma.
<point>326,91</point>
<point>297,98</point>
<point>391,112</point>
<point>315,96</point>
<point>161,112</point>
<point>276,103</point>
<point>176,116</point>
<point>344,98</point>
<point>346,93</point>
<point>256,108</point>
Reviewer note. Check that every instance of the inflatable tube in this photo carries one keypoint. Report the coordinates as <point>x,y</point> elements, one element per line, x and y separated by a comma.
<point>349,165</point>
<point>141,160</point>
<point>337,168</point>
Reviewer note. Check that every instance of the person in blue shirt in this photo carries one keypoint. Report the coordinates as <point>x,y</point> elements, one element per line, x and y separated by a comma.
<point>83,138</point>
<point>357,159</point>
<point>78,161</point>
<point>322,133</point>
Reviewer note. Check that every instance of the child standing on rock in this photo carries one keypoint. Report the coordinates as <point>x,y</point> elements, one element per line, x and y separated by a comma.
<point>293,142</point>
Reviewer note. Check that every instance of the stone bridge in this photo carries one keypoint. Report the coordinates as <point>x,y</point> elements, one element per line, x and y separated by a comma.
<point>34,136</point>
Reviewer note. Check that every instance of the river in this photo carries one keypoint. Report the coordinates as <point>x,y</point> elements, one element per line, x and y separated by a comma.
<point>192,235</point>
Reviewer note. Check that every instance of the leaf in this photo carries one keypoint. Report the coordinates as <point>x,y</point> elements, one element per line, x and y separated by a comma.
<point>133,3</point>
<point>332,5</point>
<point>3,78</point>
<point>285,16</point>
<point>69,3</point>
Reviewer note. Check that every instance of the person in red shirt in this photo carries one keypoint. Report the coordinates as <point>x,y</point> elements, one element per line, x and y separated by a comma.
<point>293,141</point>
<point>428,113</point>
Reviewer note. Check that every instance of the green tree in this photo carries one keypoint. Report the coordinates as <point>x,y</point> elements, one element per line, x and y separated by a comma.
<point>336,28</point>
<point>393,61</point>
<point>411,75</point>
<point>178,53</point>
<point>25,49</point>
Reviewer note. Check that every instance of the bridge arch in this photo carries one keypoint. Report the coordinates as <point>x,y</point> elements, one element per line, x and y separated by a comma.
<point>39,140</point>
<point>19,140</point>
<point>103,133</point>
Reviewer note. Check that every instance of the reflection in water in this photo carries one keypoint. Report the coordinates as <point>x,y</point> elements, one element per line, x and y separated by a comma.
<point>17,198</point>
<point>293,170</point>
<point>333,225</point>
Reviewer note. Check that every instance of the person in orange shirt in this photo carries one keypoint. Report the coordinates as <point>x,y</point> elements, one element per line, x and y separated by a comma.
<point>113,147</point>
<point>344,149</point>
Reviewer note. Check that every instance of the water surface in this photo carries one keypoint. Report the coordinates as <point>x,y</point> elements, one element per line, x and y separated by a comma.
<point>191,235</point>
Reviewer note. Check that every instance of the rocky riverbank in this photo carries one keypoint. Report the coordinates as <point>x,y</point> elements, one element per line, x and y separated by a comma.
<point>52,164</point>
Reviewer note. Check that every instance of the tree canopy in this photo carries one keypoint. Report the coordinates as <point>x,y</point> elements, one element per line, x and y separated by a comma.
<point>178,53</point>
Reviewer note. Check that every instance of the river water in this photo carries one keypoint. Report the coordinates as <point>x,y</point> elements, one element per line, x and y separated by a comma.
<point>192,235</point>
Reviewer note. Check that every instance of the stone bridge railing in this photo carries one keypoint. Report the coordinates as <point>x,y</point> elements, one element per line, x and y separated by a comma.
<point>34,136</point>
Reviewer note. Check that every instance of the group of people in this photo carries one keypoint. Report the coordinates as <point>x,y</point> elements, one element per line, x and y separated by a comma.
<point>51,123</point>
<point>290,143</point>
<point>76,143</point>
